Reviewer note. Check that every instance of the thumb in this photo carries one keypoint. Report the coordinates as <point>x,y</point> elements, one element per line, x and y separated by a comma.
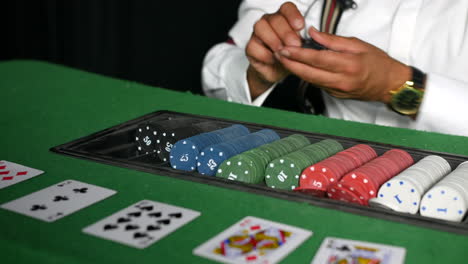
<point>334,42</point>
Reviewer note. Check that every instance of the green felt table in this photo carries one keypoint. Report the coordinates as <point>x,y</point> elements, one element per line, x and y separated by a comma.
<point>44,105</point>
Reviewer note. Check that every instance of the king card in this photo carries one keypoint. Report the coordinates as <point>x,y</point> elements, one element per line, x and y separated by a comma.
<point>253,240</point>
<point>343,251</point>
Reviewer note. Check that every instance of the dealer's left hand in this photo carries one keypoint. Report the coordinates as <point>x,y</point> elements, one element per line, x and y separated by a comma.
<point>351,68</point>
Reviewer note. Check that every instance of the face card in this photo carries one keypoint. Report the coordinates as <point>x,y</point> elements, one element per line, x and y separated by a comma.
<point>343,251</point>
<point>12,173</point>
<point>253,240</point>
<point>58,200</point>
<point>142,224</point>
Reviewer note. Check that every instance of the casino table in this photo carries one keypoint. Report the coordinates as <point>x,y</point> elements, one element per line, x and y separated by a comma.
<point>44,105</point>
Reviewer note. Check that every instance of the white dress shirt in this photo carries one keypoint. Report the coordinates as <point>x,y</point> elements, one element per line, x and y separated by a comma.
<point>431,35</point>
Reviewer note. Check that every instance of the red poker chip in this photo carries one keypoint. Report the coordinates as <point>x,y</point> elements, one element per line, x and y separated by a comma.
<point>343,163</point>
<point>356,158</point>
<point>367,183</point>
<point>342,194</point>
<point>362,155</point>
<point>373,175</point>
<point>401,155</point>
<point>378,173</point>
<point>366,153</point>
<point>368,149</point>
<point>313,177</point>
<point>358,189</point>
<point>333,167</point>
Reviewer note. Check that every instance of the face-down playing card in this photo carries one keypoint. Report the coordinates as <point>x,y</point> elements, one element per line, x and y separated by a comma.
<point>253,240</point>
<point>142,224</point>
<point>344,251</point>
<point>58,200</point>
<point>13,173</point>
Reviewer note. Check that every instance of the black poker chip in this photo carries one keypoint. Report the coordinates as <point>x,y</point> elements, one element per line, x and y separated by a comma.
<point>145,137</point>
<point>146,133</point>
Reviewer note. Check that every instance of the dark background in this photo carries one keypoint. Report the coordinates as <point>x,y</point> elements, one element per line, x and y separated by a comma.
<point>160,43</point>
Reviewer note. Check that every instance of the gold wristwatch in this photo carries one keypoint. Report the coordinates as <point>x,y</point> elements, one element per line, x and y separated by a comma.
<point>407,98</point>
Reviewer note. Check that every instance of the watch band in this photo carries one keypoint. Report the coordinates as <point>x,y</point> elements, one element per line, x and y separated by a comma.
<point>418,78</point>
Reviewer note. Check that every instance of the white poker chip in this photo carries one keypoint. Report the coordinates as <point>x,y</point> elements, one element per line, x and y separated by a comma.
<point>403,193</point>
<point>400,194</point>
<point>448,199</point>
<point>444,202</point>
<point>377,202</point>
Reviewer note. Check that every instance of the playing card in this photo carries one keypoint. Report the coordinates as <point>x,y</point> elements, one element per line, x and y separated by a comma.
<point>58,200</point>
<point>336,250</point>
<point>142,224</point>
<point>253,240</point>
<point>12,173</point>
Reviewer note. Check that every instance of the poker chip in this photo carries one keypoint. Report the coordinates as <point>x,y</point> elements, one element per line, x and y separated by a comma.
<point>315,179</point>
<point>365,181</point>
<point>250,166</point>
<point>168,133</point>
<point>403,192</point>
<point>147,134</point>
<point>212,156</point>
<point>448,199</point>
<point>284,172</point>
<point>145,137</point>
<point>185,153</point>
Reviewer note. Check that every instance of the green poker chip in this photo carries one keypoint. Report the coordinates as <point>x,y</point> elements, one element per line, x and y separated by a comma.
<point>283,172</point>
<point>250,166</point>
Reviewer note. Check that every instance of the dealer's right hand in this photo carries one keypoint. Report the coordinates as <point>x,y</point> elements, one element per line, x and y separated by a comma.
<point>271,33</point>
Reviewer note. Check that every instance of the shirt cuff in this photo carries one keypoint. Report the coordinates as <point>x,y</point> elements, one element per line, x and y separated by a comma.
<point>261,98</point>
<point>444,106</point>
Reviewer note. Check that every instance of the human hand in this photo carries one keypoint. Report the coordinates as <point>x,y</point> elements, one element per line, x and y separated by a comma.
<point>351,68</point>
<point>271,34</point>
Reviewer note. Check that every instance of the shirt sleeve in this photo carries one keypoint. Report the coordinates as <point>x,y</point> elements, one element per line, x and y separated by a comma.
<point>444,106</point>
<point>224,72</point>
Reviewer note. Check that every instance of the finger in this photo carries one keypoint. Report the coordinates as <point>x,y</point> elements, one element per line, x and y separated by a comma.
<point>284,30</point>
<point>336,43</point>
<point>310,74</point>
<point>257,50</point>
<point>324,59</point>
<point>263,31</point>
<point>292,15</point>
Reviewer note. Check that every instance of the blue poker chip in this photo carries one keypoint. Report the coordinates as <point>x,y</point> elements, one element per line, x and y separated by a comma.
<point>184,154</point>
<point>212,156</point>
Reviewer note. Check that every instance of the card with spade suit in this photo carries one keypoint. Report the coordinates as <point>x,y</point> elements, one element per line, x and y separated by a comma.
<point>58,200</point>
<point>13,173</point>
<point>142,224</point>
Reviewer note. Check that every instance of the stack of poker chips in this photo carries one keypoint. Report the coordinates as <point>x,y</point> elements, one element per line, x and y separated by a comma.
<point>250,166</point>
<point>362,184</point>
<point>159,136</point>
<point>283,172</point>
<point>316,178</point>
<point>168,135</point>
<point>448,199</point>
<point>184,154</point>
<point>212,156</point>
<point>403,192</point>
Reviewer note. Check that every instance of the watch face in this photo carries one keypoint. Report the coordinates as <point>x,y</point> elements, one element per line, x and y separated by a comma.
<point>407,101</point>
